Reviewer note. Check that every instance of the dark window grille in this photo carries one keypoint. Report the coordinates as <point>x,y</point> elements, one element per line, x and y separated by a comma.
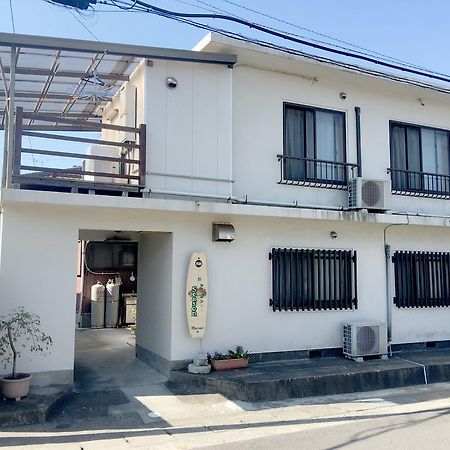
<point>422,280</point>
<point>310,279</point>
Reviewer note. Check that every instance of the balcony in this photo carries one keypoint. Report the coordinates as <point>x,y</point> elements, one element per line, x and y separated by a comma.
<point>300,171</point>
<point>420,184</point>
<point>108,166</point>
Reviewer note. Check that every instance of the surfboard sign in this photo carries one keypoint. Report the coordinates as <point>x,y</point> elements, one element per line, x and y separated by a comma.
<point>197,294</point>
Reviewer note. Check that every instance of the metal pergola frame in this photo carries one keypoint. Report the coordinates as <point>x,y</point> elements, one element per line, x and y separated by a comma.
<point>90,55</point>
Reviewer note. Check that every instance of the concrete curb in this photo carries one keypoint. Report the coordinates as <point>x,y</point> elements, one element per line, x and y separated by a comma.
<point>33,409</point>
<point>309,379</point>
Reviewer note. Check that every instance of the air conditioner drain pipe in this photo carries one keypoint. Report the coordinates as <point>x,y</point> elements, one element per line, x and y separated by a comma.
<point>425,377</point>
<point>388,258</point>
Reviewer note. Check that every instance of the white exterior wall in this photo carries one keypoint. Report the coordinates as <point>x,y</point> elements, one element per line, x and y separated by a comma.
<point>38,271</point>
<point>189,138</point>
<point>189,128</point>
<point>41,237</point>
<point>154,307</point>
<point>258,97</point>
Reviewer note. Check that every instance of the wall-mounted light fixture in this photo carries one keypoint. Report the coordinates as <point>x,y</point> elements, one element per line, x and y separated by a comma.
<point>421,102</point>
<point>343,95</point>
<point>333,235</point>
<point>171,82</point>
<point>223,232</point>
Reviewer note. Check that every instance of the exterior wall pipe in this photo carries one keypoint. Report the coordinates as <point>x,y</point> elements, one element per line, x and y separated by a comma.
<point>230,174</point>
<point>240,201</point>
<point>358,139</point>
<point>388,267</point>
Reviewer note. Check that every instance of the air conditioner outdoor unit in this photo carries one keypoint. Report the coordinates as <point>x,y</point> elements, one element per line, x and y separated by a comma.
<point>369,194</point>
<point>364,339</point>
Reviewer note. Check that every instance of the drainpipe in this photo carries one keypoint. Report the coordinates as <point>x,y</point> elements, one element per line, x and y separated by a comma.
<point>388,258</point>
<point>358,139</point>
<point>230,175</point>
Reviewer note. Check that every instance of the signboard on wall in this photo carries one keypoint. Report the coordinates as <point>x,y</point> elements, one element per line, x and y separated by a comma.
<point>197,295</point>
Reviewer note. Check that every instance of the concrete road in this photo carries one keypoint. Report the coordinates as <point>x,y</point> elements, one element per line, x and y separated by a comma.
<point>406,418</point>
<point>121,403</point>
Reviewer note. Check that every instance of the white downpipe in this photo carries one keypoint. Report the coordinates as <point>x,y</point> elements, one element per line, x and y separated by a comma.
<point>230,174</point>
<point>388,259</point>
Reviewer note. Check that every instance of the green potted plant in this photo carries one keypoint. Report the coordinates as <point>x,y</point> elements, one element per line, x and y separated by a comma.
<point>234,359</point>
<point>19,330</point>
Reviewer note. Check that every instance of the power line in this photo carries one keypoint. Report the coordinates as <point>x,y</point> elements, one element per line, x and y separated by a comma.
<point>138,4</point>
<point>81,23</point>
<point>12,16</point>
<point>292,51</point>
<point>359,49</point>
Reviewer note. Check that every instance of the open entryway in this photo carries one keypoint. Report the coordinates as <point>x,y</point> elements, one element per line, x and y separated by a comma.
<point>122,300</point>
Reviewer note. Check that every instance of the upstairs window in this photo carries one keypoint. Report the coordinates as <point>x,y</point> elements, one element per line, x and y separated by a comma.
<point>420,159</point>
<point>314,145</point>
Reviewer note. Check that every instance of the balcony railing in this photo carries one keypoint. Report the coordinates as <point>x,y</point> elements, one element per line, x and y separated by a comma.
<point>116,166</point>
<point>315,172</point>
<point>419,184</point>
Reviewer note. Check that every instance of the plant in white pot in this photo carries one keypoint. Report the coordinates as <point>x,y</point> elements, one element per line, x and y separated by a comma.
<point>19,331</point>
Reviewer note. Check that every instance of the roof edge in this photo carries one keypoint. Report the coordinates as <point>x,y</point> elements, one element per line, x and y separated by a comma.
<point>138,51</point>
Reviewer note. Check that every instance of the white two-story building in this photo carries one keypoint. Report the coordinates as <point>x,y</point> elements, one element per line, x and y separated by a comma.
<point>234,134</point>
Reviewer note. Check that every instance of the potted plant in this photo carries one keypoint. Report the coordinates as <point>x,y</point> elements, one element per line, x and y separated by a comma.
<point>234,359</point>
<point>20,330</point>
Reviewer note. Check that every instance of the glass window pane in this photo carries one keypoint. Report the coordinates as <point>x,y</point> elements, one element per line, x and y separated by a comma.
<point>413,158</point>
<point>330,144</point>
<point>330,136</point>
<point>435,159</point>
<point>294,144</point>
<point>398,157</point>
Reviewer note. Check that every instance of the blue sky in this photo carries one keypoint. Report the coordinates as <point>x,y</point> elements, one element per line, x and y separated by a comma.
<point>414,30</point>
<point>411,30</point>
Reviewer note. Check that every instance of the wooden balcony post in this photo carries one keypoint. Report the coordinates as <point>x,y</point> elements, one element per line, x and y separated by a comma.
<point>142,154</point>
<point>17,157</point>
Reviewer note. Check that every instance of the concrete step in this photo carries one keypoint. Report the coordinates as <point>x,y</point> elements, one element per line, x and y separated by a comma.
<point>35,408</point>
<point>323,376</point>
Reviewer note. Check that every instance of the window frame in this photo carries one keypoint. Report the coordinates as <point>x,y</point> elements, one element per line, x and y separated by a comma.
<point>301,279</point>
<point>406,187</point>
<point>415,281</point>
<point>315,179</point>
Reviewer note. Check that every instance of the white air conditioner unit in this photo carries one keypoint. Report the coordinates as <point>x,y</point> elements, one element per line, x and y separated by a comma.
<point>369,194</point>
<point>364,339</point>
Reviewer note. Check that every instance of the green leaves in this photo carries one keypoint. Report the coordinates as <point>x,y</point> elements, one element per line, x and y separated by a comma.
<point>21,329</point>
<point>237,353</point>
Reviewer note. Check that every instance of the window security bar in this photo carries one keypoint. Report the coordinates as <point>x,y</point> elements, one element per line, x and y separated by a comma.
<point>419,184</point>
<point>301,171</point>
<point>310,279</point>
<point>422,280</point>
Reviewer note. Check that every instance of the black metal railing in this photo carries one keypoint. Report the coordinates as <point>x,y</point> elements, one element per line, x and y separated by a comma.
<point>422,279</point>
<point>311,279</point>
<point>315,172</point>
<point>422,184</point>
